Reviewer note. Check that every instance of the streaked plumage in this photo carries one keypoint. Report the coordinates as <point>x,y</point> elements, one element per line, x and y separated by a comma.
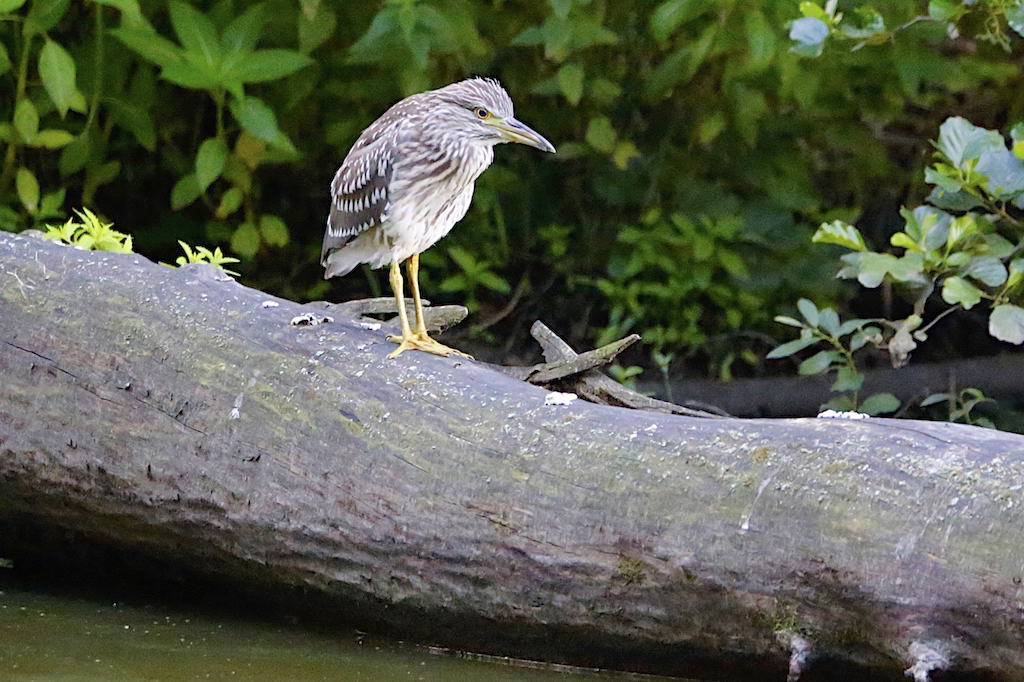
<point>409,178</point>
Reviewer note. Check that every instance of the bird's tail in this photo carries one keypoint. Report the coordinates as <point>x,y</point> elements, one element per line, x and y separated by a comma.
<point>346,253</point>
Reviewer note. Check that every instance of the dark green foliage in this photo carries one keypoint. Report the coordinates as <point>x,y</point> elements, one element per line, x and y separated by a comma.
<point>696,150</point>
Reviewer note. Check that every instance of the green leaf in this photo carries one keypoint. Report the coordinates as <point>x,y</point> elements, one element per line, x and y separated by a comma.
<point>315,31</point>
<point>841,233</point>
<point>1016,272</point>
<point>998,246</point>
<point>195,32</point>
<point>790,347</point>
<point>600,134</point>
<point>670,15</point>
<point>57,70</point>
<point>28,189</point>
<point>944,10</point>
<point>870,268</point>
<point>932,224</point>
<point>958,259</point>
<point>903,241</point>
<point>762,42</point>
<point>673,70</point>
<point>494,282</point>
<point>246,240</point>
<point>10,6</point>
<point>954,134</point>
<point>816,11</point>
<point>134,119</point>
<point>49,206</point>
<point>149,45</point>
<point>131,14</point>
<point>257,118</point>
<point>570,82</point>
<point>961,200</point>
<point>946,178</point>
<point>1015,18</point>
<point>75,155</point>
<point>101,174</point>
<point>819,362</point>
<point>847,379</point>
<point>561,8</point>
<point>987,270</point>
<point>532,35</point>
<point>851,326</point>
<point>229,202</point>
<point>1003,171</point>
<point>961,227</point>
<point>77,102</point>
<point>464,259</point>
<point>210,159</point>
<point>191,75</point>
<point>828,320</point>
<point>185,191</point>
<point>935,398</point>
<point>840,403</point>
<point>1017,132</point>
<point>43,15</point>
<point>273,230</point>
<point>267,65</point>
<point>626,151</point>
<point>711,127</point>
<point>863,337</point>
<point>381,38</point>
<point>455,283</point>
<point>880,403</point>
<point>872,24</point>
<point>809,311</point>
<point>961,141</point>
<point>52,138</point>
<point>958,290</point>
<point>26,120</point>
<point>1006,323</point>
<point>784,319</point>
<point>241,34</point>
<point>5,60</point>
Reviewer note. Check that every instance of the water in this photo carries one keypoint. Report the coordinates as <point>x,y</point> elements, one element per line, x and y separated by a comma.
<point>46,637</point>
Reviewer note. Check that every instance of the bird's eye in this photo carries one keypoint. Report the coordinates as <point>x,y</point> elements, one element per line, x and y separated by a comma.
<point>482,113</point>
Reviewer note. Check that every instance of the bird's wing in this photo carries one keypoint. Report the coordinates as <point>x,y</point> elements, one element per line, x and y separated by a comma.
<point>359,192</point>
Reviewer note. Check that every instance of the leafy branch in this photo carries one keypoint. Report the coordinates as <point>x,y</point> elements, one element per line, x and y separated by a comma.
<point>866,25</point>
<point>969,256</point>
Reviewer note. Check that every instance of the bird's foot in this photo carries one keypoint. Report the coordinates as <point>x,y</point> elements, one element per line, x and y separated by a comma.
<point>424,343</point>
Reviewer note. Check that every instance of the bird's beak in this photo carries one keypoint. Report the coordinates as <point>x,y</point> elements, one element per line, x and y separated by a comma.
<point>512,130</point>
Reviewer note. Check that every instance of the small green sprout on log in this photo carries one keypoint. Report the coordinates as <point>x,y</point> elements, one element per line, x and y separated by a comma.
<point>201,254</point>
<point>92,234</point>
<point>89,233</point>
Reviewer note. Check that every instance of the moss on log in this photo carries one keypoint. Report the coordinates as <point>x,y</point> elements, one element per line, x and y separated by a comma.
<point>170,414</point>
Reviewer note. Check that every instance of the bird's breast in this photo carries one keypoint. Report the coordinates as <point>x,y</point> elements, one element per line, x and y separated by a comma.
<point>429,198</point>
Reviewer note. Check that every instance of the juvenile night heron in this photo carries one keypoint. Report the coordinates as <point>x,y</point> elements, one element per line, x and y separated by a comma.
<point>409,178</point>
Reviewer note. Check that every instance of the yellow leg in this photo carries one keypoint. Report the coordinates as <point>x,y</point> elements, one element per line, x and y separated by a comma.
<point>399,290</point>
<point>413,265</point>
<point>419,339</point>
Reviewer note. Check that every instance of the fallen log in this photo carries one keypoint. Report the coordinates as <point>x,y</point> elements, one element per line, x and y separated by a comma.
<point>178,417</point>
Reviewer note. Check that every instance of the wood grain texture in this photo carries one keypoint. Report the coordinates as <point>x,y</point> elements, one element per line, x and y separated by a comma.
<point>169,414</point>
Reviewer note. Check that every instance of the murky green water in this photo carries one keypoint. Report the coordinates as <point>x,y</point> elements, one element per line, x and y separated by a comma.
<point>48,638</point>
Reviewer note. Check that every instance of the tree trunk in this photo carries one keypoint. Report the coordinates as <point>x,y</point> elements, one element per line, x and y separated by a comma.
<point>173,416</point>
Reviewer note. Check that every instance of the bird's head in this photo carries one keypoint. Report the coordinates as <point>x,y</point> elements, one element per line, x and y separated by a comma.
<point>480,111</point>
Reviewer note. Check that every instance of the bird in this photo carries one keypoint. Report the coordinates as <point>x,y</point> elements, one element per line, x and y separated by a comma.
<point>409,178</point>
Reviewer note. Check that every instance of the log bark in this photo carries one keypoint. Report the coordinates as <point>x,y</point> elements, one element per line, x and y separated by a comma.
<point>170,415</point>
